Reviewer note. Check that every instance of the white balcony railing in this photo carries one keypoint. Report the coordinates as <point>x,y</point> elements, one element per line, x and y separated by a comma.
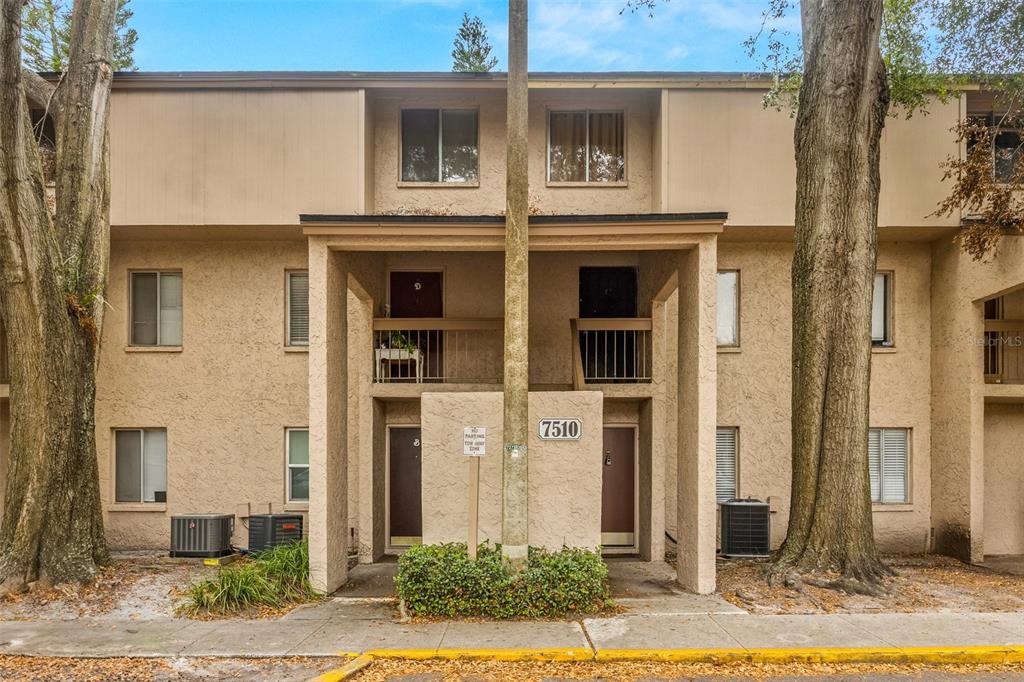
<point>611,350</point>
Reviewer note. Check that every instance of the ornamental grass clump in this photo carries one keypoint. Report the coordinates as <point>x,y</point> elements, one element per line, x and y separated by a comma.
<point>442,581</point>
<point>273,579</point>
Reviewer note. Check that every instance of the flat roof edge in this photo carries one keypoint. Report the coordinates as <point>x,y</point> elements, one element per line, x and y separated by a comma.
<point>709,216</point>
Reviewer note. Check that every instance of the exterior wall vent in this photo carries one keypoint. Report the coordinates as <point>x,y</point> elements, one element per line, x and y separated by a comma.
<point>201,535</point>
<point>745,528</point>
<point>269,530</point>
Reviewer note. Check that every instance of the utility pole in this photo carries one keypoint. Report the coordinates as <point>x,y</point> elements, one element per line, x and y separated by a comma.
<point>517,254</point>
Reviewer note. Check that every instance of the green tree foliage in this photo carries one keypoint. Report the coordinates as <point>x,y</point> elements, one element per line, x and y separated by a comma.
<point>932,48</point>
<point>471,51</point>
<point>46,33</point>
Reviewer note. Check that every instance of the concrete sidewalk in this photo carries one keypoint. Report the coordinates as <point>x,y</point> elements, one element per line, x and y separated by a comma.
<point>354,626</point>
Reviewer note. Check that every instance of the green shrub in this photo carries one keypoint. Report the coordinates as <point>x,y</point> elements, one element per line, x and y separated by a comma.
<point>441,580</point>
<point>271,579</point>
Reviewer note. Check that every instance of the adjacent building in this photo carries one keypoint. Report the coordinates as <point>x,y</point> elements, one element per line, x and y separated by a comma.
<point>306,314</point>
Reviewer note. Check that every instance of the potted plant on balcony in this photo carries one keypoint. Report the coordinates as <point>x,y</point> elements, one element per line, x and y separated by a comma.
<point>397,347</point>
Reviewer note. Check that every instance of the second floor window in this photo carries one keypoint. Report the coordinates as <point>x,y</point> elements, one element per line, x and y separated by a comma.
<point>439,145</point>
<point>881,311</point>
<point>155,308</point>
<point>586,146</point>
<point>728,308</point>
<point>1008,154</point>
<point>298,308</point>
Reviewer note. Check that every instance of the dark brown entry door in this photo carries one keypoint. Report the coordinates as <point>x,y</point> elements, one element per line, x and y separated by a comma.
<point>419,294</point>
<point>618,502</point>
<point>405,491</point>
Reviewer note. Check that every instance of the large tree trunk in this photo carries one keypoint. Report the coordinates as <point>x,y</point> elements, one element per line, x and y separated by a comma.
<point>843,103</point>
<point>517,254</point>
<point>53,271</point>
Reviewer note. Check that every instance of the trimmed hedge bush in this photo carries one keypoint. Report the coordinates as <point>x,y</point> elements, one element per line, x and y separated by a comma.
<point>441,580</point>
<point>273,579</point>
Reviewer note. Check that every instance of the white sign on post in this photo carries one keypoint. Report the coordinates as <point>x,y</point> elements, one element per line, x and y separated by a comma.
<point>474,441</point>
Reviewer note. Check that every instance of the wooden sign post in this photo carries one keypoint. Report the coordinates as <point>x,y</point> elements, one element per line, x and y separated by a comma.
<point>474,446</point>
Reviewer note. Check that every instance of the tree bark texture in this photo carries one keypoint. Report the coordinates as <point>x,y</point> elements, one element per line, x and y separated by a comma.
<point>517,254</point>
<point>842,107</point>
<point>53,270</point>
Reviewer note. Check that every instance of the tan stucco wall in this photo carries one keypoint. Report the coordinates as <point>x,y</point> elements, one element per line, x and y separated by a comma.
<point>715,147</point>
<point>754,382</point>
<point>239,157</point>
<point>489,196</point>
<point>564,476</point>
<point>1004,479</point>
<point>959,284</point>
<point>225,398</point>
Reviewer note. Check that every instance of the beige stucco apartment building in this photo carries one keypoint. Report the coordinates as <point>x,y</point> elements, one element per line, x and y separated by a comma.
<point>306,300</point>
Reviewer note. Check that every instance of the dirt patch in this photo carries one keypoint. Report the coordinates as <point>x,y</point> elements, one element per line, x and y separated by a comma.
<point>172,669</point>
<point>928,583</point>
<point>133,586</point>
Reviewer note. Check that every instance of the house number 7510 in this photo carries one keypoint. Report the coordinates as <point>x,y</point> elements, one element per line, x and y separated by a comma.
<point>560,429</point>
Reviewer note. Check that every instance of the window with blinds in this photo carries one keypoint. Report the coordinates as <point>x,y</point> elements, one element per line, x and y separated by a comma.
<point>156,306</point>
<point>140,465</point>
<point>298,308</point>
<point>888,464</point>
<point>725,463</point>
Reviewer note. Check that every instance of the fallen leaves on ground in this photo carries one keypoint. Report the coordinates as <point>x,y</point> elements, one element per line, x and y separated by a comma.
<point>922,583</point>
<point>30,668</point>
<point>383,669</point>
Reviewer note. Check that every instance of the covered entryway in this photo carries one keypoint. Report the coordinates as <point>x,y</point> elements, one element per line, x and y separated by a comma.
<point>405,498</point>
<point>618,488</point>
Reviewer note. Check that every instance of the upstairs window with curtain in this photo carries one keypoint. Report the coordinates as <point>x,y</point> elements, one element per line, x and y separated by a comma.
<point>727,310</point>
<point>586,146</point>
<point>888,465</point>
<point>298,308</point>
<point>439,145</point>
<point>155,308</point>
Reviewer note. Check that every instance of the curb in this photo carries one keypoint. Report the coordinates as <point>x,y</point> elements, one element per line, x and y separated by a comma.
<point>939,655</point>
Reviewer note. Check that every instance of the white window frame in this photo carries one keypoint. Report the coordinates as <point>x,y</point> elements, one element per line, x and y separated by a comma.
<point>142,465</point>
<point>288,309</point>
<point>889,335</point>
<point>440,148</point>
<point>288,466</point>
<point>131,309</point>
<point>586,170</point>
<point>735,460</point>
<point>739,289</point>
<point>907,487</point>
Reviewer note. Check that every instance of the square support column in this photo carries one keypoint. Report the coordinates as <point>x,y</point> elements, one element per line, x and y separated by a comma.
<point>698,410</point>
<point>328,416</point>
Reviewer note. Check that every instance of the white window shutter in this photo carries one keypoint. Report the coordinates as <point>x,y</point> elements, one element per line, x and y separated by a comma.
<point>725,463</point>
<point>298,308</point>
<point>875,463</point>
<point>894,465</point>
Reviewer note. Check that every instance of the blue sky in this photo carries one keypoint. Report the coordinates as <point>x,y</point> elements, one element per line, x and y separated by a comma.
<point>416,35</point>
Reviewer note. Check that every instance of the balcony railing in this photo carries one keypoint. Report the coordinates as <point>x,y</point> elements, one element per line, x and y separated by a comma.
<point>1004,351</point>
<point>437,350</point>
<point>611,350</point>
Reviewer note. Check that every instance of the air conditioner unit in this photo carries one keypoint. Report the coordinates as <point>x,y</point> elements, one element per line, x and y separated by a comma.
<point>201,535</point>
<point>745,528</point>
<point>270,530</point>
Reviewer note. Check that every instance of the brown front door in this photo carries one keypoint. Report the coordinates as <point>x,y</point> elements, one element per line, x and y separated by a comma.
<point>419,294</point>
<point>405,492</point>
<point>618,502</point>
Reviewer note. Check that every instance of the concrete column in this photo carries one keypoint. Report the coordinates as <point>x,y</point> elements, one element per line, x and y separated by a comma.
<point>697,400</point>
<point>328,416</point>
